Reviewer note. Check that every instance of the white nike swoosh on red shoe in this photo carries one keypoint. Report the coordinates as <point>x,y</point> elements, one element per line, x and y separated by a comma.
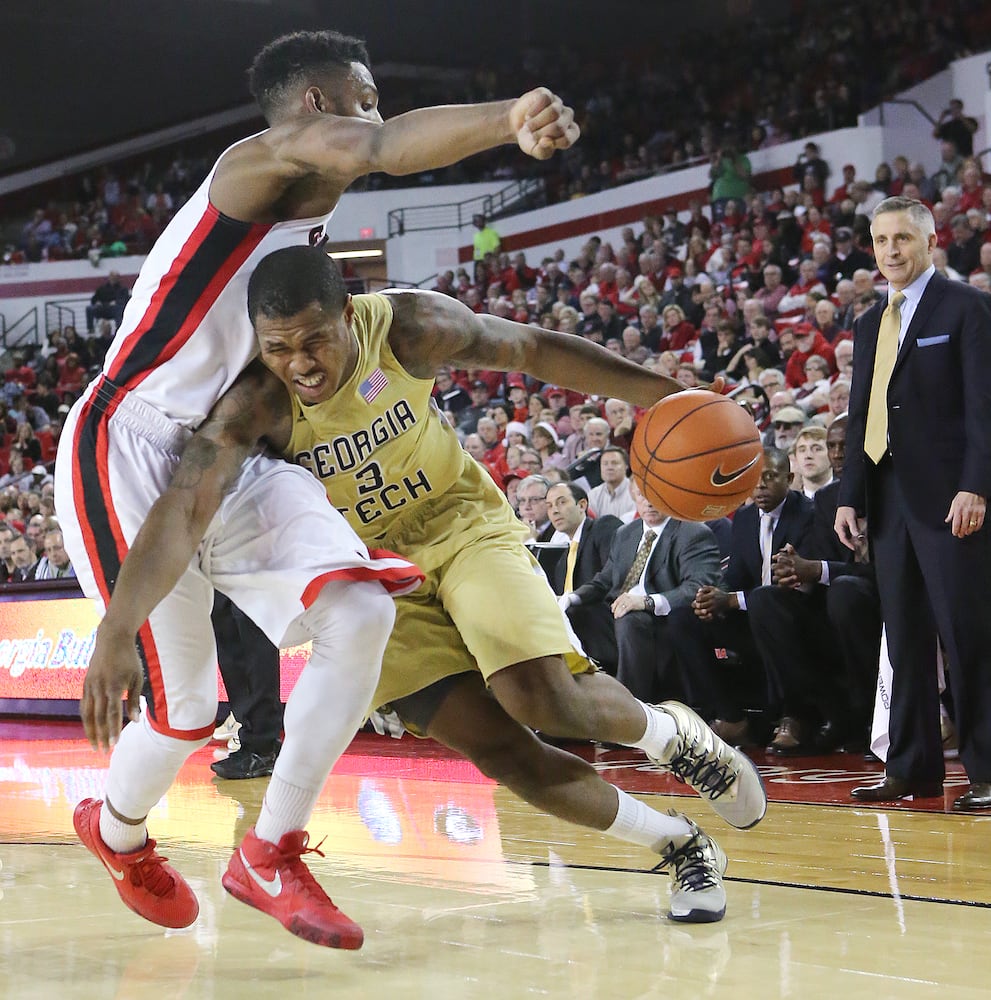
<point>119,875</point>
<point>272,886</point>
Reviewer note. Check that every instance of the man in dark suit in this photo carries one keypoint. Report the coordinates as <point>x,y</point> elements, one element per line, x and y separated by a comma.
<point>589,538</point>
<point>918,463</point>
<point>655,564</point>
<point>25,560</point>
<point>718,618</point>
<point>852,607</point>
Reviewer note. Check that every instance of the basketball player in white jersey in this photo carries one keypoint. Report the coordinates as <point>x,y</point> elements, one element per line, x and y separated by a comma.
<point>359,414</point>
<point>276,547</point>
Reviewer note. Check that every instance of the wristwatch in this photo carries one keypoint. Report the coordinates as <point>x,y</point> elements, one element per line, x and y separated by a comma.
<point>648,603</point>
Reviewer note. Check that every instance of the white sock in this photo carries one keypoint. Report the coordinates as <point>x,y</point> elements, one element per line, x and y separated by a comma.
<point>350,624</point>
<point>661,730</point>
<point>286,807</point>
<point>637,823</point>
<point>122,838</point>
<point>142,768</point>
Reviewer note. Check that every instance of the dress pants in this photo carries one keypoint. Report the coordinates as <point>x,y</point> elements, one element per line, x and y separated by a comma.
<point>635,649</point>
<point>716,682</point>
<point>249,665</point>
<point>932,583</point>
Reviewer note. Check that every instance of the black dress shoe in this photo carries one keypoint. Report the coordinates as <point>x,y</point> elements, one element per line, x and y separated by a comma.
<point>898,788</point>
<point>979,797</point>
<point>245,763</point>
<point>829,737</point>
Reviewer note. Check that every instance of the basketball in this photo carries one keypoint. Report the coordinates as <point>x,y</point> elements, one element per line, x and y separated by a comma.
<point>696,455</point>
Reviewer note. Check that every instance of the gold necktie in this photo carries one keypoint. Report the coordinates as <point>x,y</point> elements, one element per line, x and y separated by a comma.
<point>569,572</point>
<point>640,561</point>
<point>876,430</point>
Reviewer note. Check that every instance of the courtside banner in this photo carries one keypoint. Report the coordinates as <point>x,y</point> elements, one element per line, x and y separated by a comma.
<point>46,640</point>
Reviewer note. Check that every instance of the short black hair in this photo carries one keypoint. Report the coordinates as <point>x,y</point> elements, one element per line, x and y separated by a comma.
<point>289,59</point>
<point>288,280</point>
<point>574,489</point>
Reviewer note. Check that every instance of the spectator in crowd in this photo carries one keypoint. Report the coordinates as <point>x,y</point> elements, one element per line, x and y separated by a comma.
<point>548,446</point>
<point>813,395</point>
<point>729,176</point>
<point>107,302</point>
<point>813,466</point>
<point>25,412</point>
<point>531,500</point>
<point>27,444</point>
<point>785,425</point>
<point>811,164</point>
<point>773,292</point>
<point>964,252</point>
<point>25,560</point>
<point>853,606</point>
<point>7,566</point>
<point>950,162</point>
<point>847,257</point>
<point>808,341</point>
<point>718,617</point>
<point>55,563</point>
<point>588,539</point>
<point>796,297</point>
<point>469,416</point>
<point>449,395</point>
<point>841,191</point>
<point>655,564</point>
<point>486,242</point>
<point>613,495</point>
<point>955,127</point>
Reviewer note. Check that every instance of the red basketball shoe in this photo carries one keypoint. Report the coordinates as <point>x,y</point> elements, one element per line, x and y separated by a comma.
<point>148,886</point>
<point>272,878</point>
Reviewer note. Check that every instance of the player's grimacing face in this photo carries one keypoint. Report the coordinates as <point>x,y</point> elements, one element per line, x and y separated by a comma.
<point>312,353</point>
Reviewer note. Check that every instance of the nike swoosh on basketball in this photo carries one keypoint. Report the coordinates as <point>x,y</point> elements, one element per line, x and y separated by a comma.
<point>720,478</point>
<point>273,887</point>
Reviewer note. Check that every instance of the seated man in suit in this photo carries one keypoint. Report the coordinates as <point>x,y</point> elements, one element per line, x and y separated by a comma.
<point>531,505</point>
<point>718,618</point>
<point>588,539</point>
<point>853,605</point>
<point>613,495</point>
<point>531,499</point>
<point>656,563</point>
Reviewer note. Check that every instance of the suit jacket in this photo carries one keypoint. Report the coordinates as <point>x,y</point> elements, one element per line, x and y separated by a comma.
<point>745,563</point>
<point>825,545</point>
<point>939,402</point>
<point>593,551</point>
<point>685,558</point>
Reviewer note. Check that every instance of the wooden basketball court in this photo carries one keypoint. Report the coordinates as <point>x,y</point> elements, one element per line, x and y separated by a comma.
<point>464,891</point>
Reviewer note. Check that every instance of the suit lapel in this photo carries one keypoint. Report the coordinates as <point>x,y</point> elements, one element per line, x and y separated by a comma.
<point>663,546</point>
<point>930,299</point>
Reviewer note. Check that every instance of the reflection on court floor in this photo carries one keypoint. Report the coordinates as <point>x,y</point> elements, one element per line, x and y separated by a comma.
<point>464,891</point>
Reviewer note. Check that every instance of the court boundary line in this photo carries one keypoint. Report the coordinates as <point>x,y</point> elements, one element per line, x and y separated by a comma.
<point>874,893</point>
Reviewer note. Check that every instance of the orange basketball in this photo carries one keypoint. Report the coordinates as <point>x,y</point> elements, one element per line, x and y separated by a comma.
<point>696,455</point>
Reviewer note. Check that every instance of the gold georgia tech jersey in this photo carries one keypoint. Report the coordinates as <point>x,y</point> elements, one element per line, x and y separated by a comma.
<point>379,444</point>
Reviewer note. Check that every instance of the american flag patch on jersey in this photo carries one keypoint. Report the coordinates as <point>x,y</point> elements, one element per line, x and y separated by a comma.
<point>373,385</point>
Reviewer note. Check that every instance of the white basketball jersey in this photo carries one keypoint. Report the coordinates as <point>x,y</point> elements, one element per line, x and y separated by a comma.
<point>185,335</point>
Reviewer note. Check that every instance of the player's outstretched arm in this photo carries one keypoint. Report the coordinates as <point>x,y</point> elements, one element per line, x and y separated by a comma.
<point>256,407</point>
<point>431,329</point>
<point>342,149</point>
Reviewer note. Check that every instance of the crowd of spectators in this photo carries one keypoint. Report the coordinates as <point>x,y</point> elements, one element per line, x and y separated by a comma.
<point>762,291</point>
<point>640,113</point>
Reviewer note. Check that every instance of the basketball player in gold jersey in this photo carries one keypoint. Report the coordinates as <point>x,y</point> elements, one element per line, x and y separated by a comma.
<point>359,416</point>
